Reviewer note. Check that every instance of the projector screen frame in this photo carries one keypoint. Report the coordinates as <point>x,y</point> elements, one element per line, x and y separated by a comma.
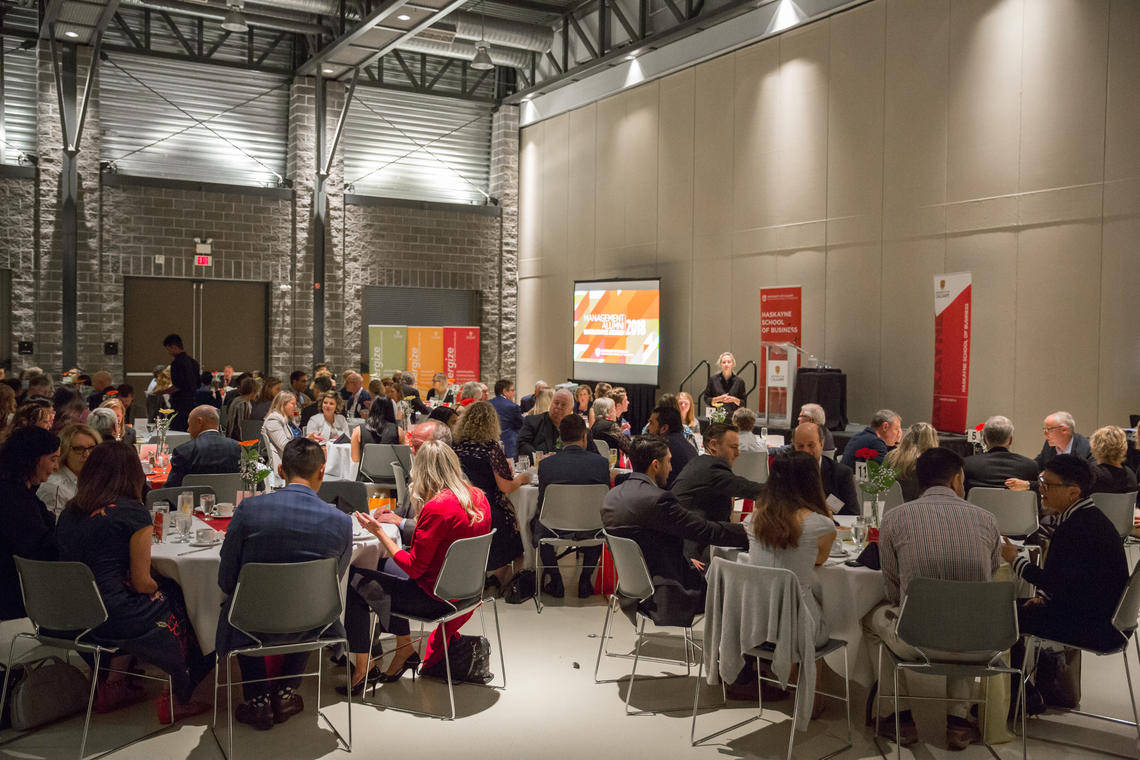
<point>631,374</point>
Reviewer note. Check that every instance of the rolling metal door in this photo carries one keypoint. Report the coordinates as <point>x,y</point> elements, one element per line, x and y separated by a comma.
<point>18,129</point>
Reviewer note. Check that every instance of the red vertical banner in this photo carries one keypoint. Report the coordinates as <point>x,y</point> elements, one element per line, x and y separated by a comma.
<point>781,321</point>
<point>953,301</point>
<point>461,354</point>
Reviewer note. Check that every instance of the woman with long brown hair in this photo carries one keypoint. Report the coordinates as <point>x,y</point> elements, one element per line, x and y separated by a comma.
<point>107,528</point>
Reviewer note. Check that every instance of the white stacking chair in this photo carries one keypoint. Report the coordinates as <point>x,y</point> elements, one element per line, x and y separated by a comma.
<point>634,584</point>
<point>570,509</point>
<point>892,497</point>
<point>376,461</point>
<point>176,438</point>
<point>1124,620</point>
<point>1120,508</point>
<point>283,599</point>
<point>460,585</point>
<point>603,448</point>
<point>403,498</point>
<point>171,495</point>
<point>1016,511</point>
<point>346,495</point>
<point>960,629</point>
<point>729,598</point>
<point>752,465</point>
<point>62,596</point>
<point>226,485</point>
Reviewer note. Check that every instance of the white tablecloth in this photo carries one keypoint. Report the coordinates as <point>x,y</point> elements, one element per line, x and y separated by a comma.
<point>525,500</point>
<point>197,574</point>
<point>338,462</point>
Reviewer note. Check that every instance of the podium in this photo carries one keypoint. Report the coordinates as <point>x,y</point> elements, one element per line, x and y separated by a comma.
<point>786,365</point>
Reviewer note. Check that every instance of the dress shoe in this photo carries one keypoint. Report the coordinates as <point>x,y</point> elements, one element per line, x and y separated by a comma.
<point>960,733</point>
<point>908,733</point>
<point>255,713</point>
<point>411,664</point>
<point>585,587</point>
<point>358,688</point>
<point>552,585</point>
<point>286,703</point>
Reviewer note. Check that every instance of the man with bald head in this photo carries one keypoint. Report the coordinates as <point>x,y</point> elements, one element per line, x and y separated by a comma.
<point>837,478</point>
<point>208,452</point>
<point>540,431</point>
<point>403,516</point>
<point>1061,437</point>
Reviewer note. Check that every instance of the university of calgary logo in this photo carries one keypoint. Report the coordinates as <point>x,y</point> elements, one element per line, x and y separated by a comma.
<point>942,284</point>
<point>777,368</point>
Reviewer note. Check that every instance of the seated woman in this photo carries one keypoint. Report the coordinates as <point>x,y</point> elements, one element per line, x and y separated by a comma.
<point>583,404</point>
<point>105,423</point>
<point>35,412</point>
<point>28,458</point>
<point>241,407</point>
<point>792,528</point>
<point>439,391</point>
<point>449,509</point>
<point>76,442</point>
<point>380,427</point>
<point>263,405</point>
<point>486,466</point>
<point>542,401</point>
<point>606,427</point>
<point>688,412</point>
<point>126,432</point>
<point>69,408</point>
<point>1109,447</point>
<point>107,528</point>
<point>918,438</point>
<point>330,424</point>
<point>279,429</point>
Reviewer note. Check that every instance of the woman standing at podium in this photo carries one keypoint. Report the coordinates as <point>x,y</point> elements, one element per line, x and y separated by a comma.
<point>726,388</point>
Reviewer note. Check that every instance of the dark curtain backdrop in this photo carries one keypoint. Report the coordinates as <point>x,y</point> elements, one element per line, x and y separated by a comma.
<point>642,399</point>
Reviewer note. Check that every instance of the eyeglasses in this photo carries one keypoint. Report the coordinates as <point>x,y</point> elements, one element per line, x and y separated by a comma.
<point>1048,430</point>
<point>82,450</point>
<point>1044,484</point>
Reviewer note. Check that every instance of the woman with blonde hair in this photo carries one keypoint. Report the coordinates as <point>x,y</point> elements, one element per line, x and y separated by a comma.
<point>279,428</point>
<point>1109,447</point>
<point>584,404</point>
<point>126,432</point>
<point>449,509</point>
<point>485,465</point>
<point>726,388</point>
<point>76,442</point>
<point>688,411</point>
<point>542,400</point>
<point>918,438</point>
<point>328,423</point>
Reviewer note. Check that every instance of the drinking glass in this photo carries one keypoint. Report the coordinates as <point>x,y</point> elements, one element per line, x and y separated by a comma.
<point>613,458</point>
<point>208,500</point>
<point>183,523</point>
<point>859,531</point>
<point>186,502</point>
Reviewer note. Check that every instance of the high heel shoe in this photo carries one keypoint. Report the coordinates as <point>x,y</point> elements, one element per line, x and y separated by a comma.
<point>371,677</point>
<point>411,664</point>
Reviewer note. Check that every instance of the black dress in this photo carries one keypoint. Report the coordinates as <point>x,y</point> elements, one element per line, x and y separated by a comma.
<point>389,434</point>
<point>481,460</point>
<point>733,386</point>
<point>1108,478</point>
<point>29,531</point>
<point>154,628</point>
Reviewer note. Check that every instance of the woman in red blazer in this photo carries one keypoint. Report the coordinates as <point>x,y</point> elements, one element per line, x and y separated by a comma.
<point>451,509</point>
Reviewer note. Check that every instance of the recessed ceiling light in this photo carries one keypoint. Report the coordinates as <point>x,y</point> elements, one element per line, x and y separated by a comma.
<point>404,17</point>
<point>71,34</point>
<point>328,71</point>
<point>631,57</point>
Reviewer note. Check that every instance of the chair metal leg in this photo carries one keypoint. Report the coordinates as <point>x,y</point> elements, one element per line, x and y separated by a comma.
<point>1131,695</point>
<point>90,704</point>
<point>447,665</point>
<point>602,640</point>
<point>230,704</point>
<point>499,636</point>
<point>537,580</point>
<point>1024,734</point>
<point>636,655</point>
<point>8,670</point>
<point>898,722</point>
<point>795,719</point>
<point>847,693</point>
<point>696,702</point>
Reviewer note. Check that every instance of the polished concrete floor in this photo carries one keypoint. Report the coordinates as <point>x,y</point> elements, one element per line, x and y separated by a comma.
<point>551,708</point>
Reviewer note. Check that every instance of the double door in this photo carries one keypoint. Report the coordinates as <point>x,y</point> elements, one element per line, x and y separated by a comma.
<point>220,321</point>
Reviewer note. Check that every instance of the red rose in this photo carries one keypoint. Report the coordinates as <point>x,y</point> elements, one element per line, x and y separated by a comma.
<point>866,454</point>
<point>980,426</point>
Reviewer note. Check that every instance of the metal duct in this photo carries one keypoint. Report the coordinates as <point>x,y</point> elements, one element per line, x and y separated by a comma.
<point>217,13</point>
<point>513,34</point>
<point>519,59</point>
<point>323,7</point>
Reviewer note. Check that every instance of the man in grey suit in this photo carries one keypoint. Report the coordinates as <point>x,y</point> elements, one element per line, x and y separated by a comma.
<point>208,452</point>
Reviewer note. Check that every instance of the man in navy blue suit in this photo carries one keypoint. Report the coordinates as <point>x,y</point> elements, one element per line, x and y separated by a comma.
<point>208,452</point>
<point>290,525</point>
<point>510,417</point>
<point>573,465</point>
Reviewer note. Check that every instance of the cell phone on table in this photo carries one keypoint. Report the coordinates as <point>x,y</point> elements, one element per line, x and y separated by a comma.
<point>853,563</point>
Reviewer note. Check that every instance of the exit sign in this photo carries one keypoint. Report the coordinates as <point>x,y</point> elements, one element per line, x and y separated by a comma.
<point>203,261</point>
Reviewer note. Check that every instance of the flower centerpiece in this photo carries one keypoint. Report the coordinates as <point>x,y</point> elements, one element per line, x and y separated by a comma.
<point>162,427</point>
<point>251,474</point>
<point>408,409</point>
<point>719,413</point>
<point>880,477</point>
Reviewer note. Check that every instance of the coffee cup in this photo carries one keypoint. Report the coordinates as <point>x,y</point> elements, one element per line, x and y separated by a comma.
<point>147,468</point>
<point>224,509</point>
<point>205,535</point>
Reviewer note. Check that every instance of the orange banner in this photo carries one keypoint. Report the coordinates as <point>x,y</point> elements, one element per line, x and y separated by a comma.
<point>425,353</point>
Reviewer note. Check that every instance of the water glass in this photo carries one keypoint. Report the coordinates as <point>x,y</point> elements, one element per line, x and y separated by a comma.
<point>186,502</point>
<point>182,523</point>
<point>208,501</point>
<point>859,531</point>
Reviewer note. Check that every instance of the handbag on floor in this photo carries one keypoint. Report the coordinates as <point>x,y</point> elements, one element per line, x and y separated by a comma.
<point>470,658</point>
<point>50,689</point>
<point>520,588</point>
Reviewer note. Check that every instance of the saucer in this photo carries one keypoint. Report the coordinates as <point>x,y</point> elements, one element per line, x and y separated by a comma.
<point>203,544</point>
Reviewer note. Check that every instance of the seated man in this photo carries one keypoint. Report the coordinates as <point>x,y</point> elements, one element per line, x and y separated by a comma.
<point>408,388</point>
<point>574,465</point>
<point>403,516</point>
<point>290,525</point>
<point>1061,437</point>
<point>641,509</point>
<point>707,485</point>
<point>665,421</point>
<point>1085,569</point>
<point>527,401</point>
<point>540,431</point>
<point>837,478</point>
<point>882,436</point>
<point>208,452</point>
<point>939,535</point>
<point>998,464</point>
<point>745,420</point>
<point>356,399</point>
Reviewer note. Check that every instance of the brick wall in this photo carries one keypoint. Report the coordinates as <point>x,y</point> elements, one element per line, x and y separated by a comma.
<point>18,253</point>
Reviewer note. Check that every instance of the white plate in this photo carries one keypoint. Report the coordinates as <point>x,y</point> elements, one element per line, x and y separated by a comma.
<point>203,544</point>
<point>838,554</point>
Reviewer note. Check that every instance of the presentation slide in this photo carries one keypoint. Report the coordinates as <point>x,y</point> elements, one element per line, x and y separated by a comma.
<point>617,330</point>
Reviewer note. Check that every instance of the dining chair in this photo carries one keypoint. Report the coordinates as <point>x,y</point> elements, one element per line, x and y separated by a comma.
<point>226,485</point>
<point>171,495</point>
<point>570,509</point>
<point>960,629</point>
<point>282,601</point>
<point>460,586</point>
<point>346,495</point>
<point>1120,508</point>
<point>1016,511</point>
<point>731,586</point>
<point>62,596</point>
<point>752,465</point>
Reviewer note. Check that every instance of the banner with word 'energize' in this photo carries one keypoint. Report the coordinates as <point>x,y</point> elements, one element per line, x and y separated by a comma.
<point>423,351</point>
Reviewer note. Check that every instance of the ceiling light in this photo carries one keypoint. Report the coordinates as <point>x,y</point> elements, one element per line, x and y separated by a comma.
<point>71,34</point>
<point>328,71</point>
<point>631,57</point>
<point>235,19</point>
<point>482,61</point>
<point>404,17</point>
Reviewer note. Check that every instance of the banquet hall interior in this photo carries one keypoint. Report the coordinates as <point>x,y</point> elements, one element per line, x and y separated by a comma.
<point>911,226</point>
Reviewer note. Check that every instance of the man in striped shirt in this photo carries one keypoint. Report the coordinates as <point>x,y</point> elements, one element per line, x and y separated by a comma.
<point>939,535</point>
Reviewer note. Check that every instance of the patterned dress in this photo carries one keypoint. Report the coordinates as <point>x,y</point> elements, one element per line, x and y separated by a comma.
<point>481,461</point>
